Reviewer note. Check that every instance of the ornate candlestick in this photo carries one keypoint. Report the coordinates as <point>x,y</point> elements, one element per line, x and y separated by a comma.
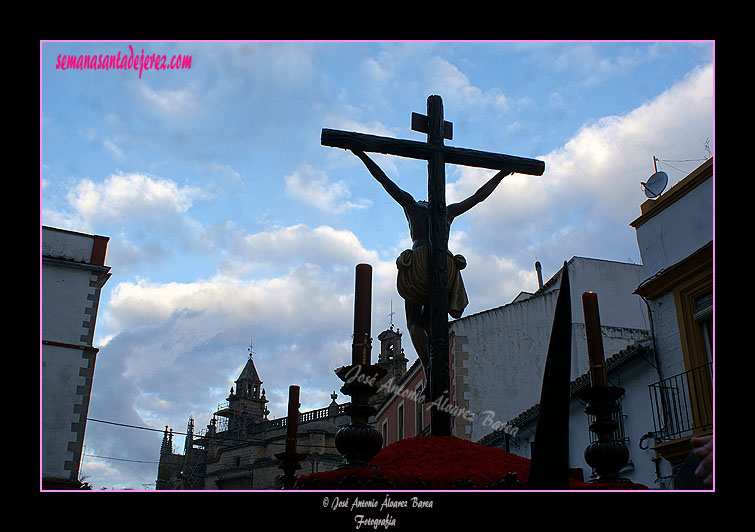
<point>359,442</point>
<point>605,455</point>
<point>289,459</point>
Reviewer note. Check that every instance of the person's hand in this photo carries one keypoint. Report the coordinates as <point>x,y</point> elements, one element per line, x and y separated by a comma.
<point>703,449</point>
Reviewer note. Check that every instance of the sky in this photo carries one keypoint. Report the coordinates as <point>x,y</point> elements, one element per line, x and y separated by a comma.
<point>231,226</point>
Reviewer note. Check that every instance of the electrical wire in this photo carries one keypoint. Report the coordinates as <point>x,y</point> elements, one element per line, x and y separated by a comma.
<point>121,459</point>
<point>221,439</point>
<point>666,161</point>
<point>680,160</point>
<point>127,425</point>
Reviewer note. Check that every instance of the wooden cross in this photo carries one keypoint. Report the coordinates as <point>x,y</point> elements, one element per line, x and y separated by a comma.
<point>437,155</point>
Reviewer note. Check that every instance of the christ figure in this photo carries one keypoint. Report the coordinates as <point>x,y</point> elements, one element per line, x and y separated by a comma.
<point>412,281</point>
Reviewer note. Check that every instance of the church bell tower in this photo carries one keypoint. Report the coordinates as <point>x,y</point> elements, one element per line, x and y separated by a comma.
<point>248,401</point>
<point>391,358</point>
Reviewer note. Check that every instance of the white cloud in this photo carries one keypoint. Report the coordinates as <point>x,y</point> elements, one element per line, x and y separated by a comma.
<point>169,102</point>
<point>221,170</point>
<point>604,162</point>
<point>284,64</point>
<point>379,70</point>
<point>131,195</point>
<point>589,193</point>
<point>322,245</point>
<point>493,277</point>
<point>312,270</point>
<point>608,159</point>
<point>113,149</point>
<point>586,61</point>
<point>145,216</point>
<point>311,186</point>
<point>174,334</point>
<point>445,78</point>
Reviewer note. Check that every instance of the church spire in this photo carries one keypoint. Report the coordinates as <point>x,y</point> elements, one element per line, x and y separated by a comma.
<point>249,398</point>
<point>248,383</point>
<point>189,443</point>
<point>167,445</point>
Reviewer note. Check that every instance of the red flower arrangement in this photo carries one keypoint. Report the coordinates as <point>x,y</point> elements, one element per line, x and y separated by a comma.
<point>441,463</point>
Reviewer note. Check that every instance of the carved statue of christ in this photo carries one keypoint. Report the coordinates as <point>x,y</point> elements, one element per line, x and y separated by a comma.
<point>412,281</point>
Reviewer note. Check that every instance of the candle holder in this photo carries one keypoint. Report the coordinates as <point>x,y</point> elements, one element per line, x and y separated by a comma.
<point>359,441</point>
<point>605,455</point>
<point>289,464</point>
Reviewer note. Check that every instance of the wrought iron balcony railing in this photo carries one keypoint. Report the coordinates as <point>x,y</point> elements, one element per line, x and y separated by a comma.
<point>682,405</point>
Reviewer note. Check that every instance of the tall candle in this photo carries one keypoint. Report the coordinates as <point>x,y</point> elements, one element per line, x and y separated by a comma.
<point>362,314</point>
<point>598,376</point>
<point>292,422</point>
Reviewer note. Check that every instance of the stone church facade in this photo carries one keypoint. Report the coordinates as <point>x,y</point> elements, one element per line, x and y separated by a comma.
<point>237,450</point>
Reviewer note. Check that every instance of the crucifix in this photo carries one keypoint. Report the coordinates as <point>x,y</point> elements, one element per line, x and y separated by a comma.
<point>429,226</point>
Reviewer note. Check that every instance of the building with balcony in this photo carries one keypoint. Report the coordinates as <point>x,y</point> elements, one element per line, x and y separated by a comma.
<point>675,237</point>
<point>668,376</point>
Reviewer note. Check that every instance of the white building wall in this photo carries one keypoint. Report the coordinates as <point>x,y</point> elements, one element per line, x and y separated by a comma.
<point>614,282</point>
<point>66,293</point>
<point>678,230</point>
<point>66,245</point>
<point>70,296</point>
<point>666,331</point>
<point>507,346</point>
<point>633,377</point>
<point>638,421</point>
<point>61,382</point>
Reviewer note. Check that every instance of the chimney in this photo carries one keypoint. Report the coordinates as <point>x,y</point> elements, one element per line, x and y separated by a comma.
<point>539,270</point>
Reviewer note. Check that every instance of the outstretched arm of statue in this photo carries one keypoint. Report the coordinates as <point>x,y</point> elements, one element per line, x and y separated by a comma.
<point>482,193</point>
<point>402,197</point>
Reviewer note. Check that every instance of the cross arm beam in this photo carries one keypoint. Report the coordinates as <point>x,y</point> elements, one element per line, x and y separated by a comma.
<point>349,140</point>
<point>493,161</point>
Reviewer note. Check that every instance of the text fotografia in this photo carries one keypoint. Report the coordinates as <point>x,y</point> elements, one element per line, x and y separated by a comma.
<point>126,61</point>
<point>374,522</point>
<point>442,403</point>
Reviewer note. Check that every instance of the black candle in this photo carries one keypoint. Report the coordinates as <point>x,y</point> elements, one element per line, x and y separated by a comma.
<point>292,422</point>
<point>360,353</point>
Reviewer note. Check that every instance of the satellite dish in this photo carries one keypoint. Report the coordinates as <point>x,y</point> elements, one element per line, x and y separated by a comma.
<point>655,185</point>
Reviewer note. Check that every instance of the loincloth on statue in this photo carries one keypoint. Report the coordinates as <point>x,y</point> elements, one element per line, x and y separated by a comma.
<point>413,284</point>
